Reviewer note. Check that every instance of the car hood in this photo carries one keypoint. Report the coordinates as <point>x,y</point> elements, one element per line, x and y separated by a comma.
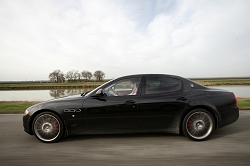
<point>57,104</point>
<point>73,97</point>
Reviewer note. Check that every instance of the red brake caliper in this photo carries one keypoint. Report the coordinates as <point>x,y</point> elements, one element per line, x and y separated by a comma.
<point>190,124</point>
<point>55,124</point>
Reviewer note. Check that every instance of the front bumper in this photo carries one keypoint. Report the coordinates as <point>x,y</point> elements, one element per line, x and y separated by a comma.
<point>27,125</point>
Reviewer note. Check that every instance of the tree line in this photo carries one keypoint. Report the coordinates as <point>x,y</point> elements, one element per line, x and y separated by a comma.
<point>75,76</point>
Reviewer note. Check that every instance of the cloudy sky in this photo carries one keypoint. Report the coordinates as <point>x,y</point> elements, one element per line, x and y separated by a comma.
<point>197,38</point>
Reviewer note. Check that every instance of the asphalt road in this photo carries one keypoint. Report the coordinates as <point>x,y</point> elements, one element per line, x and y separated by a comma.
<point>228,146</point>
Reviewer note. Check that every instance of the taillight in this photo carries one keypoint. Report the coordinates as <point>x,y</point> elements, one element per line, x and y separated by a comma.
<point>235,100</point>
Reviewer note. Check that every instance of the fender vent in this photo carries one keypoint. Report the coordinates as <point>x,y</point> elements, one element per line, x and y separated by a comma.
<point>72,110</point>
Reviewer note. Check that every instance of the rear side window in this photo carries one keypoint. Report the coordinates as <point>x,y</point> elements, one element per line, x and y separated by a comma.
<point>160,84</point>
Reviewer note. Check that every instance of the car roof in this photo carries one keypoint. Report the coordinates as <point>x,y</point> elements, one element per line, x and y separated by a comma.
<point>151,75</point>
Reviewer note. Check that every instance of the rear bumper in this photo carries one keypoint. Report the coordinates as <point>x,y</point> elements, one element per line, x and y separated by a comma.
<point>229,116</point>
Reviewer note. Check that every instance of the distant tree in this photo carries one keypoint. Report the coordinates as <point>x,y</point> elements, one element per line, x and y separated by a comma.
<point>89,75</point>
<point>86,75</point>
<point>76,75</point>
<point>61,77</point>
<point>69,75</point>
<point>73,76</point>
<point>56,76</point>
<point>99,75</point>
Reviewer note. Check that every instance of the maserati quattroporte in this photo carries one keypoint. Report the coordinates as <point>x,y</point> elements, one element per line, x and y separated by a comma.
<point>135,104</point>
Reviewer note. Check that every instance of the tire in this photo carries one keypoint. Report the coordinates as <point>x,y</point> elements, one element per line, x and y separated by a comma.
<point>198,125</point>
<point>48,127</point>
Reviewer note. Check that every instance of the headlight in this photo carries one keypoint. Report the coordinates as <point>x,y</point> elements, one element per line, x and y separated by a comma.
<point>26,112</point>
<point>30,110</point>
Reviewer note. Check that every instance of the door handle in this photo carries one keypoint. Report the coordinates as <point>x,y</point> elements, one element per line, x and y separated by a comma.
<point>182,98</point>
<point>129,102</point>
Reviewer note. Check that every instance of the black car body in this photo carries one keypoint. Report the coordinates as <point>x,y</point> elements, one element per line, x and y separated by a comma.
<point>162,103</point>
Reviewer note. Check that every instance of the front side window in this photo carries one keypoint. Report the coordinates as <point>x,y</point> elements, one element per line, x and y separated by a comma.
<point>124,87</point>
<point>161,84</point>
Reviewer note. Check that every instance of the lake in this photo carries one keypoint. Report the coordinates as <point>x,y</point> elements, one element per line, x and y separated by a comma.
<point>43,95</point>
<point>38,95</point>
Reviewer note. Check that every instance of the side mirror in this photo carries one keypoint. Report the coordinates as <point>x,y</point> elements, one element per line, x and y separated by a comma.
<point>99,93</point>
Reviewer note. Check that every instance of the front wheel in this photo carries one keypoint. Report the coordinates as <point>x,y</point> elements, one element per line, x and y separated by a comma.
<point>48,127</point>
<point>198,125</point>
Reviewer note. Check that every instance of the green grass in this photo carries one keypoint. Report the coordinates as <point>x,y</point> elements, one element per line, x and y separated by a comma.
<point>50,84</point>
<point>40,86</point>
<point>212,82</point>
<point>37,85</point>
<point>13,107</point>
<point>244,103</point>
<point>18,107</point>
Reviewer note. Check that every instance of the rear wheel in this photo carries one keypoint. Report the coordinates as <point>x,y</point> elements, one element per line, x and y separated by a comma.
<point>48,127</point>
<point>198,125</point>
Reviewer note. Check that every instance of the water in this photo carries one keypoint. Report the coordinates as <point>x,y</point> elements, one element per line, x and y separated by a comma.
<point>239,90</point>
<point>38,95</point>
<point>43,95</point>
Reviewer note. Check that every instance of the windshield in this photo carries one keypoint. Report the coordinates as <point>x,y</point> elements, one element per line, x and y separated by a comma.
<point>91,92</point>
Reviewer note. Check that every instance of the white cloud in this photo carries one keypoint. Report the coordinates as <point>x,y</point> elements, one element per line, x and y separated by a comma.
<point>188,38</point>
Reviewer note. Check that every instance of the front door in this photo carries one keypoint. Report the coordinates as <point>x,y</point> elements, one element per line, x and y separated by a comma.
<point>116,109</point>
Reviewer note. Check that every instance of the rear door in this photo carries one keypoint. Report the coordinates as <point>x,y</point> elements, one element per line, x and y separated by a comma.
<point>161,102</point>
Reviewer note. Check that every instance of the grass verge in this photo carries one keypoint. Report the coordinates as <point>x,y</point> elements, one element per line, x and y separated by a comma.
<point>15,107</point>
<point>66,85</point>
<point>48,86</point>
<point>244,103</point>
<point>215,82</point>
<point>18,107</point>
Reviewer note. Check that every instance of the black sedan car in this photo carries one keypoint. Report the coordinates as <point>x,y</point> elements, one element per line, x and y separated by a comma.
<point>134,104</point>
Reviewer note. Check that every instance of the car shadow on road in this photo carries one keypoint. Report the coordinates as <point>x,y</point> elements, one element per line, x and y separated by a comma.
<point>241,125</point>
<point>122,136</point>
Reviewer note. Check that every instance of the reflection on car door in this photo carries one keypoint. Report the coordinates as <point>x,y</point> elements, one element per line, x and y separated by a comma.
<point>110,112</point>
<point>161,104</point>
